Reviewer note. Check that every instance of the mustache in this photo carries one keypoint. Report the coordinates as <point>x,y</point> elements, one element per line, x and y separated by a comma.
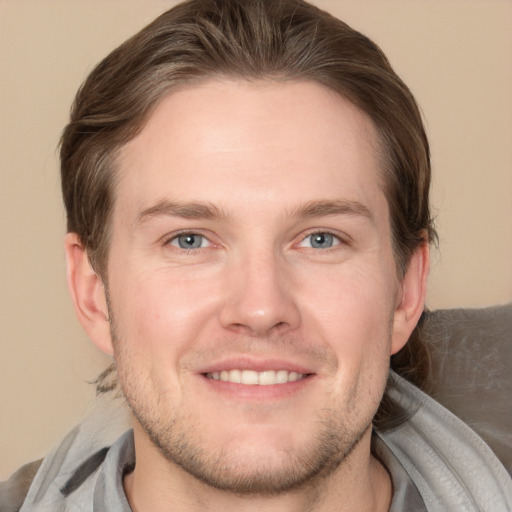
<point>277,346</point>
<point>286,346</point>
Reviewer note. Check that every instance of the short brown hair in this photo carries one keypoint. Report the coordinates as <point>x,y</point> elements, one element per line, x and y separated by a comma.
<point>276,40</point>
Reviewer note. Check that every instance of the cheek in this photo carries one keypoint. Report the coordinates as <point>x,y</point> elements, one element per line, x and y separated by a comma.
<point>357,322</point>
<point>353,309</point>
<point>349,297</point>
<point>160,310</point>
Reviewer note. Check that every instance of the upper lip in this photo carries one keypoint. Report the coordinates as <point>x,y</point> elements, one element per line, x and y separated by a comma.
<point>257,365</point>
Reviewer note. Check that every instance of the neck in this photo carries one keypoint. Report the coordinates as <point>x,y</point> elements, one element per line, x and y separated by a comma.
<point>359,483</point>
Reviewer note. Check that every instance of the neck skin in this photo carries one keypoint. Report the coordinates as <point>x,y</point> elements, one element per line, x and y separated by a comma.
<point>360,483</point>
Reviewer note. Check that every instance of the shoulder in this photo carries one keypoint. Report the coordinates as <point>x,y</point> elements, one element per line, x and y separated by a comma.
<point>450,464</point>
<point>50,484</point>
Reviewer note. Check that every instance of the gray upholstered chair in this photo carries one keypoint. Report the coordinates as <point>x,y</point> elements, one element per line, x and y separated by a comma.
<point>472,371</point>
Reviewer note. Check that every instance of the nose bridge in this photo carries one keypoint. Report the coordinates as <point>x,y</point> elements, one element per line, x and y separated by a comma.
<point>260,298</point>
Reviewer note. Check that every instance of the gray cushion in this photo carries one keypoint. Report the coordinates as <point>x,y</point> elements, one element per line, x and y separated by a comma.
<point>471,351</point>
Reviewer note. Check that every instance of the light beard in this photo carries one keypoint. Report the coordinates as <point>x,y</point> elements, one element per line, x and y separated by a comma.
<point>298,469</point>
<point>338,430</point>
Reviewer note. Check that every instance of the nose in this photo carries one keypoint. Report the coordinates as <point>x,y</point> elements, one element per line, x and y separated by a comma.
<point>259,298</point>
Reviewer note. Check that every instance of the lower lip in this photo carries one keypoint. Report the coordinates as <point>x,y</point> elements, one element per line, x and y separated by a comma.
<point>258,392</point>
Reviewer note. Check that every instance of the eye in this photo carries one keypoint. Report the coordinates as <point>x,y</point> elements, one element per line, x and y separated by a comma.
<point>320,240</point>
<point>189,241</point>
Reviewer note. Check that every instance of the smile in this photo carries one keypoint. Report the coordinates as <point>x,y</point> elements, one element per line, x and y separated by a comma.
<point>253,378</point>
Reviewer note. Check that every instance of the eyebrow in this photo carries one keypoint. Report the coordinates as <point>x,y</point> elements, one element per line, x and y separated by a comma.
<point>333,207</point>
<point>189,210</point>
<point>206,210</point>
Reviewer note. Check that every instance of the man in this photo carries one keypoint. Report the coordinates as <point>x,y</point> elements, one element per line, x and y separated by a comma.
<point>246,184</point>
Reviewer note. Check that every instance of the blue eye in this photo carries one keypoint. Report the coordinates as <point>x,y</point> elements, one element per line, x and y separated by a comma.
<point>320,241</point>
<point>189,241</point>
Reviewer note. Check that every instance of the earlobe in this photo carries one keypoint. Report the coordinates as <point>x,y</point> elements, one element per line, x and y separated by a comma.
<point>88,294</point>
<point>413,289</point>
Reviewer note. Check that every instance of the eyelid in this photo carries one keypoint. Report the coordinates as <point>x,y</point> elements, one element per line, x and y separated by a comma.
<point>175,242</point>
<point>342,238</point>
<point>170,237</point>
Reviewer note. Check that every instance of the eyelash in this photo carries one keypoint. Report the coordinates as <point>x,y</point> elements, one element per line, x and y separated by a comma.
<point>168,241</point>
<point>340,240</point>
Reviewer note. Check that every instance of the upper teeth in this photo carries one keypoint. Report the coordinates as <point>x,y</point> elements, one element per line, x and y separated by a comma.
<point>251,377</point>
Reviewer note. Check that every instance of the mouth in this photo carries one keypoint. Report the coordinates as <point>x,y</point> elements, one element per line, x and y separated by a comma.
<point>256,378</point>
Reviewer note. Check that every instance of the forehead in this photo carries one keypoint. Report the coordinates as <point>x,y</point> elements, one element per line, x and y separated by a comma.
<point>235,141</point>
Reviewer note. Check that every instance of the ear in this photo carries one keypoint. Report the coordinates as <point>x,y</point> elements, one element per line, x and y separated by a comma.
<point>88,294</point>
<point>411,297</point>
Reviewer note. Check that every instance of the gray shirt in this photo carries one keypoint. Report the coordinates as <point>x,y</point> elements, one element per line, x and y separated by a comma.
<point>109,493</point>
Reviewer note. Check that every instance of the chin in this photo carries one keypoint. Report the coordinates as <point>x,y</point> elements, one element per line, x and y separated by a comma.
<point>260,461</point>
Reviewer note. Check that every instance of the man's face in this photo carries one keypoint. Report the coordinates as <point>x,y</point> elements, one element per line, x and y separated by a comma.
<point>252,284</point>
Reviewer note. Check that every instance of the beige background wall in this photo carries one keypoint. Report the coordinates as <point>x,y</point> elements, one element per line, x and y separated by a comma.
<point>456,55</point>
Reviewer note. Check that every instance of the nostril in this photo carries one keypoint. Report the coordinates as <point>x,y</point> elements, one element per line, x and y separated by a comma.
<point>238,327</point>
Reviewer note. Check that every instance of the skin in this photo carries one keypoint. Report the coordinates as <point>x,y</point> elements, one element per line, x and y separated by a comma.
<point>253,172</point>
